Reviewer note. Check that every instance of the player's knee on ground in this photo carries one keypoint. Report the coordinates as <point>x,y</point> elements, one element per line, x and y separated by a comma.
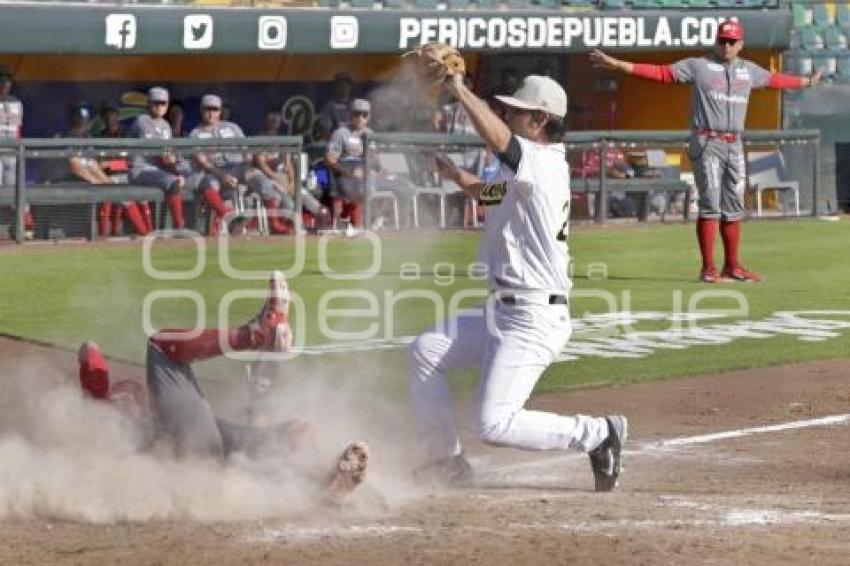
<point>492,426</point>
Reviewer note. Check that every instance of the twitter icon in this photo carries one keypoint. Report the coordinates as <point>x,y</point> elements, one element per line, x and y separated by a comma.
<point>197,31</point>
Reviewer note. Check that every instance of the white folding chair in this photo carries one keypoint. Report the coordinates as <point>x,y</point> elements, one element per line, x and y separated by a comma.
<point>766,170</point>
<point>388,161</point>
<point>244,201</point>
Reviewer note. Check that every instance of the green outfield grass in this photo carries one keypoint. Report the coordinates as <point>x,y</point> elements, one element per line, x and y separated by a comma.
<point>68,293</point>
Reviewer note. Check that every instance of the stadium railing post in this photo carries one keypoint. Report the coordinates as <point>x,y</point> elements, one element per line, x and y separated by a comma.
<point>20,197</point>
<point>602,198</point>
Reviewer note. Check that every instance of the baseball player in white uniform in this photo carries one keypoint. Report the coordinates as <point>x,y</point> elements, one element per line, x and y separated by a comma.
<point>525,322</point>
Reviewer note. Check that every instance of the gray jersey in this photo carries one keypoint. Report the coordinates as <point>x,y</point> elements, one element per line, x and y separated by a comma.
<point>148,127</point>
<point>721,90</point>
<point>224,131</point>
<point>11,118</point>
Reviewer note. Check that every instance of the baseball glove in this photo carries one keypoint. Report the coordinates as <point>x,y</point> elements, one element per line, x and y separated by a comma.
<point>435,62</point>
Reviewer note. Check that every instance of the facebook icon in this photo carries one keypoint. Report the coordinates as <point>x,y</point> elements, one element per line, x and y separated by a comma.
<point>121,31</point>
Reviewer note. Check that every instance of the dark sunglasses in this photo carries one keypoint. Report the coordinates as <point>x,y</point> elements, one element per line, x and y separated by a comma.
<point>211,109</point>
<point>360,113</point>
<point>726,41</point>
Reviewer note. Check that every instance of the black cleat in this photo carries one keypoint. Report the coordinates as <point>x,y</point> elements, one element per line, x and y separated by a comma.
<point>605,458</point>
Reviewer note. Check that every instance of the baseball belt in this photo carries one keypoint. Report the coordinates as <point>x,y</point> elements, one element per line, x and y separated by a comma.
<point>508,299</point>
<point>728,137</point>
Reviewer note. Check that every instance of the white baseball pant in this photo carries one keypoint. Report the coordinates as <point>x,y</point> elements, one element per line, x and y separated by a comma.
<point>512,345</point>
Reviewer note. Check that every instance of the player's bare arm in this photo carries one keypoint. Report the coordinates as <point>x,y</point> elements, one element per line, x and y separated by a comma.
<point>490,127</point>
<point>220,174</point>
<point>332,161</point>
<point>470,183</point>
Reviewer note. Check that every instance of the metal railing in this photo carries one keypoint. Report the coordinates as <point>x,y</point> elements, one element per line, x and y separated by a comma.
<point>601,141</point>
<point>41,148</point>
<point>378,143</point>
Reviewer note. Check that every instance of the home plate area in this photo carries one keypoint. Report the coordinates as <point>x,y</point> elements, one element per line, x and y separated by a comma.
<point>772,486</point>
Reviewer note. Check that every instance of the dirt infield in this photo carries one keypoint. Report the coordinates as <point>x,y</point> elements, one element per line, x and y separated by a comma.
<point>738,468</point>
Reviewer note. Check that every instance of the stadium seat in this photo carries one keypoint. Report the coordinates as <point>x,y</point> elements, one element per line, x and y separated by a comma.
<point>726,3</point>
<point>458,4</point>
<point>613,4</point>
<point>675,4</point>
<point>826,63</point>
<point>820,16</point>
<point>425,4</point>
<point>700,4</point>
<point>811,39</point>
<point>752,4</point>
<point>362,4</point>
<point>835,39</point>
<point>800,64</point>
<point>645,4</point>
<point>579,3</point>
<point>802,15</point>
<point>842,67</point>
<point>394,4</point>
<point>842,16</point>
<point>547,4</point>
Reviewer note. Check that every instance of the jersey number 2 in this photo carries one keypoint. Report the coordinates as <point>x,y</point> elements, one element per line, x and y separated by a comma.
<point>565,227</point>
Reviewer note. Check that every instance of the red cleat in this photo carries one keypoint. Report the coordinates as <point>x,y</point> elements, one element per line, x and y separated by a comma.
<point>94,371</point>
<point>709,275</point>
<point>269,330</point>
<point>741,274</point>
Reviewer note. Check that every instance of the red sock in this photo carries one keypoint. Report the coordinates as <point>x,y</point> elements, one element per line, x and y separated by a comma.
<point>103,218</point>
<point>94,371</point>
<point>730,231</point>
<point>175,204</point>
<point>148,216</point>
<point>29,220</point>
<point>136,219</point>
<point>357,214</point>
<point>706,230</point>
<point>276,223</point>
<point>308,220</point>
<point>215,202</point>
<point>206,345</point>
<point>118,221</point>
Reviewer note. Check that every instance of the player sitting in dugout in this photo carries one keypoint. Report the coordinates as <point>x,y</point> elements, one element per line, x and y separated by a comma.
<point>226,170</point>
<point>278,167</point>
<point>165,170</point>
<point>178,415</point>
<point>344,156</point>
<point>78,168</point>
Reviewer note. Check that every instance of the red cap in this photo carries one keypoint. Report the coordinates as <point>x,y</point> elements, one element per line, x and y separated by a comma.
<point>730,29</point>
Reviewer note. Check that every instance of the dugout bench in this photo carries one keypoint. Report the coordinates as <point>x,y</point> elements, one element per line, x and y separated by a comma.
<point>642,187</point>
<point>80,201</point>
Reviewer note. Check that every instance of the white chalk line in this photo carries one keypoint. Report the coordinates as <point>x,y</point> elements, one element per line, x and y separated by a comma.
<point>735,517</point>
<point>669,444</point>
<point>713,437</point>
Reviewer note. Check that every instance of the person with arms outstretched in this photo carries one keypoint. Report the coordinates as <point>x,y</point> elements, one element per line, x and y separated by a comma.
<point>722,83</point>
